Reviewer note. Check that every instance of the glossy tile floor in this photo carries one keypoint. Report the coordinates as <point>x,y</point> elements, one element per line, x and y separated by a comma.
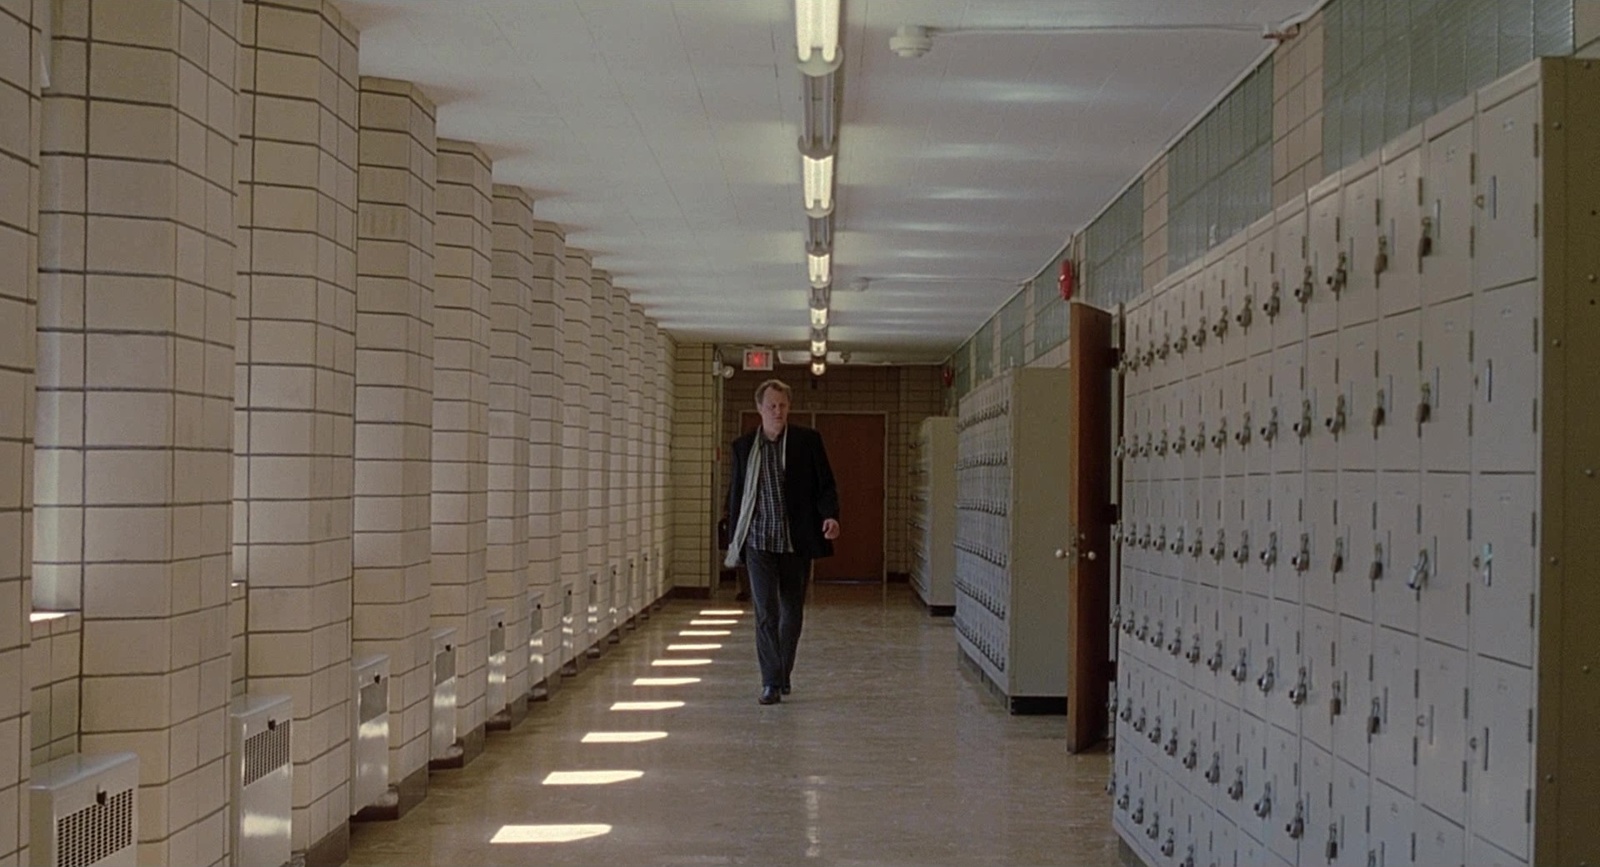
<point>887,752</point>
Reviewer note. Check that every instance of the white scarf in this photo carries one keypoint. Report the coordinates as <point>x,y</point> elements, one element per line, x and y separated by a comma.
<point>747,504</point>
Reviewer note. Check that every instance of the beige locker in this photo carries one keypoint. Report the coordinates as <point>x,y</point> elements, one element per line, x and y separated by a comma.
<point>1406,229</point>
<point>1364,258</point>
<point>1327,264</point>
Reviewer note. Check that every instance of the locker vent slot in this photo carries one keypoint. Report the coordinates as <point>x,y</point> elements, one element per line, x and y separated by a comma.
<point>265,752</point>
<point>96,831</point>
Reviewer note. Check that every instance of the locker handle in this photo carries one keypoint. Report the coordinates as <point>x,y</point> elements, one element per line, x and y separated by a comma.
<point>1272,304</point>
<point>1241,554</point>
<point>1220,438</point>
<point>1199,441</point>
<point>1332,849</point>
<point>1302,428</point>
<point>1181,344</point>
<point>1143,633</point>
<point>1340,278</point>
<point>1375,571</point>
<point>1419,571</point>
<point>1243,435</point>
<point>1269,431</point>
<point>1297,825</point>
<point>1122,800</point>
<point>1168,847</point>
<point>1236,788</point>
<point>1375,717</point>
<point>1269,557</point>
<point>1195,546</point>
<point>1154,830</point>
<point>1111,784</point>
<point>1425,404</point>
<point>1263,805</point>
<point>1155,640</point>
<point>1379,413</point>
<point>1484,563</point>
<point>1425,243</point>
<point>1220,327</point>
<point>1337,421</point>
<point>1220,547</point>
<point>1301,561</point>
<point>1155,732</point>
<point>1214,772</point>
<point>1297,695</point>
<point>1246,312</point>
<point>1176,644</point>
<point>1268,677</point>
<point>1336,704</point>
<point>1199,336</point>
<point>1380,262</point>
<point>1303,292</point>
<point>1161,349</point>
<point>1172,744</point>
<point>1193,653</point>
<point>1214,662</point>
<point>1188,860</point>
<point>1338,555</point>
<point>1240,669</point>
<point>1181,444</point>
<point>1138,813</point>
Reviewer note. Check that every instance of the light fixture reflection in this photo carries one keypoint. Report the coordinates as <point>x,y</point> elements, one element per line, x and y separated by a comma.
<point>622,737</point>
<point>548,833</point>
<point>816,29</point>
<point>665,681</point>
<point>590,778</point>
<point>816,174</point>
<point>704,633</point>
<point>818,368</point>
<point>646,705</point>
<point>819,317</point>
<point>669,663</point>
<point>694,647</point>
<point>722,612</point>
<point>698,622</point>
<point>820,267</point>
<point>819,347</point>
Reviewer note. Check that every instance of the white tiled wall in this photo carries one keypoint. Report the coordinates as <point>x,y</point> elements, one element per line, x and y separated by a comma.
<point>294,471</point>
<point>462,264</point>
<point>511,356</point>
<point>575,491</point>
<point>54,658</point>
<point>548,372</point>
<point>394,405</point>
<point>19,226</point>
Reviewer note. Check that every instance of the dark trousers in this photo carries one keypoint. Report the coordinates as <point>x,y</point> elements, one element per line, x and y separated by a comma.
<point>778,591</point>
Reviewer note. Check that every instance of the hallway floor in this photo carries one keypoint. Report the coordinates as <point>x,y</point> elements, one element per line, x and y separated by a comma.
<point>887,752</point>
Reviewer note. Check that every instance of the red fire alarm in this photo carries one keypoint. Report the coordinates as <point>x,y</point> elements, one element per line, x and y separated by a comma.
<point>948,376</point>
<point>1067,280</point>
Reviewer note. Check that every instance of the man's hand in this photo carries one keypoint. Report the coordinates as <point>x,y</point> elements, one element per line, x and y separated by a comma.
<point>830,529</point>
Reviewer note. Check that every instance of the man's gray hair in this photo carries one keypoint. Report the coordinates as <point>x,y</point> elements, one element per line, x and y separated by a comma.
<point>780,385</point>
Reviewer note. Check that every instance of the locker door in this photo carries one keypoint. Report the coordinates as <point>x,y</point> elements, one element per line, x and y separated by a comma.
<point>1399,379</point>
<point>1506,379</point>
<point>1508,192</point>
<point>1290,397</point>
<point>1397,534</point>
<point>1287,519</point>
<point>1291,274</point>
<point>1313,552</point>
<point>1351,707</point>
<point>1484,854</point>
<point>1393,815</point>
<point>1283,772</point>
<point>1284,653</point>
<point>1501,753</point>
<point>1213,299</point>
<point>1260,271</point>
<point>1402,214</point>
<point>1318,291</point>
<point>1440,842</point>
<point>1444,579</point>
<point>1169,366</point>
<point>1358,386</point>
<point>1503,567</point>
<point>1198,741</point>
<point>1257,651</point>
<point>1228,640</point>
<point>1225,532</point>
<point>1320,658</point>
<point>1394,691</point>
<point>1356,529</point>
<point>1214,420</point>
<point>1249,544</point>
<point>1247,780</point>
<point>1442,730</point>
<point>1447,202</point>
<point>1315,804</point>
<point>1218,766</point>
<point>1223,844</point>
<point>1324,416</point>
<point>1348,822</point>
<point>1447,384</point>
<point>1202,532</point>
<point>1257,440</point>
<point>1358,302</point>
<point>1231,338</point>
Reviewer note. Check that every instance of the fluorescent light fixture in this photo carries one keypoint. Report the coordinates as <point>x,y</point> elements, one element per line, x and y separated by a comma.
<point>670,663</point>
<point>819,317</point>
<point>665,681</point>
<point>694,647</point>
<point>816,35</point>
<point>646,705</point>
<point>818,367</point>
<point>816,175</point>
<point>722,612</point>
<point>622,737</point>
<point>819,347</point>
<point>699,622</point>
<point>704,633</point>
<point>590,778</point>
<point>548,833</point>
<point>820,266</point>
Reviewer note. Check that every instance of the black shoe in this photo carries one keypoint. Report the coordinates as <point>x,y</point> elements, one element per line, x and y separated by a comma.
<point>784,689</point>
<point>769,695</point>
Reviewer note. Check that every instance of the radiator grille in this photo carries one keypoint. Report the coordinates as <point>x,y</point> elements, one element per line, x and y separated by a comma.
<point>96,831</point>
<point>265,752</point>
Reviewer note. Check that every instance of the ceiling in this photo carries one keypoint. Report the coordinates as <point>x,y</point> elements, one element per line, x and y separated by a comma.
<point>662,134</point>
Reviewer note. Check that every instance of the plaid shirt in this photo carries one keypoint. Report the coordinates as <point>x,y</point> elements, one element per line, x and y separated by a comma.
<point>769,524</point>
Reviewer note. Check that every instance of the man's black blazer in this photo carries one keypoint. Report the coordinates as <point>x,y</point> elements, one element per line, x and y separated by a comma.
<point>808,488</point>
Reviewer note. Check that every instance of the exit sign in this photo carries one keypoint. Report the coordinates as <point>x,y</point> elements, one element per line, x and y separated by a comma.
<point>758,359</point>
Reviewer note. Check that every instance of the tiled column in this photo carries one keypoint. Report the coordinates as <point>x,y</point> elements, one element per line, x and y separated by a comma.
<point>544,449</point>
<point>638,431</point>
<point>665,352</point>
<point>461,302</point>
<point>19,292</point>
<point>575,457</point>
<point>651,384</point>
<point>294,468</point>
<point>393,536</point>
<point>616,390</point>
<point>695,508</point>
<point>601,566</point>
<point>511,359</point>
<point>136,384</point>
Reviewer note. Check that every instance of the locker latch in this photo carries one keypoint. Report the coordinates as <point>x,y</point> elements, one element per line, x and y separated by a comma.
<point>1341,275</point>
<point>1214,772</point>
<point>1121,450</point>
<point>1241,554</point>
<point>1155,732</point>
<point>1336,422</point>
<point>1269,557</point>
<point>1127,626</point>
<point>1161,447</point>
<point>1198,338</point>
<point>1169,845</point>
<point>1122,799</point>
<point>1175,646</point>
<point>1111,707</point>
<point>1302,428</point>
<point>1425,243</point>
<point>1379,409</point>
<point>1196,544</point>
<point>1214,661</point>
<point>1301,561</point>
<point>1160,636</point>
<point>1419,571</point>
<point>1297,695</point>
<point>1181,443</point>
<point>1193,653</point>
<point>1176,546</point>
<point>1338,555</point>
<point>1375,717</point>
<point>1145,541</point>
<point>1272,304</point>
<point>1242,437</point>
<point>1302,293</point>
<point>1484,563</point>
<point>1171,748</point>
<point>1246,312</point>
<point>1198,443</point>
<point>1220,547</point>
<point>1425,404</point>
<point>1150,355</point>
<point>1268,677</point>
<point>1188,860</point>
<point>1160,543</point>
<point>1116,617</point>
<point>1162,348</point>
<point>1154,830</point>
<point>1236,788</point>
<point>1269,431</point>
<point>1220,438</point>
<point>1375,571</point>
<point>1297,825</point>
<point>1138,813</point>
<point>1331,851</point>
<point>1263,805</point>
<point>1380,262</point>
<point>1127,713</point>
<point>1191,759</point>
<point>1143,633</point>
<point>1181,344</point>
<point>1111,784</point>
<point>1336,704</point>
<point>1241,669</point>
<point>1220,327</point>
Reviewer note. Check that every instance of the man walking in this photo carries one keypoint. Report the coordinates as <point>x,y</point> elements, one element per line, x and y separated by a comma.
<point>785,509</point>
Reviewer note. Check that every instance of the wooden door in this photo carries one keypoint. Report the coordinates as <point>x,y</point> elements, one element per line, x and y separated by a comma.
<point>1089,573</point>
<point>855,444</point>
